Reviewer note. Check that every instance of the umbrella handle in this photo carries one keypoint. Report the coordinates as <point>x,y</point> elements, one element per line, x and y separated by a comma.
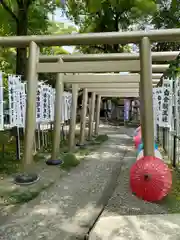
<point>147,177</point>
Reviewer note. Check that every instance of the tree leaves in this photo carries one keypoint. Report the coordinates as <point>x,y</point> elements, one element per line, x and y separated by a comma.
<point>168,16</point>
<point>38,23</point>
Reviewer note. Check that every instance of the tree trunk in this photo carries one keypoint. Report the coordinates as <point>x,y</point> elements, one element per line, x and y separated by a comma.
<point>22,27</point>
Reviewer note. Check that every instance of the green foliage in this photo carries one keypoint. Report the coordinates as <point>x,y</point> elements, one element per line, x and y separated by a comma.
<point>172,201</point>
<point>174,68</point>
<point>38,23</point>
<point>107,16</point>
<point>70,160</point>
<point>167,16</point>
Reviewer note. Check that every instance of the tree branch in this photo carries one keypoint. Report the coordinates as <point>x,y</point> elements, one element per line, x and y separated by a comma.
<point>18,2</point>
<point>29,2</point>
<point>9,10</point>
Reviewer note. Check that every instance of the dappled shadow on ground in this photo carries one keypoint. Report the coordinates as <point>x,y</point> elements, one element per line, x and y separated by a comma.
<point>70,207</point>
<point>127,217</point>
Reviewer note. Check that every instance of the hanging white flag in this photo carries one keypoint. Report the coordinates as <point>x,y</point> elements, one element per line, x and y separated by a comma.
<point>14,100</point>
<point>159,96</point>
<point>155,108</point>
<point>177,106</point>
<point>167,103</point>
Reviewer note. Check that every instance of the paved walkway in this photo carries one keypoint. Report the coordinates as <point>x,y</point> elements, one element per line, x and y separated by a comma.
<point>69,208</point>
<point>128,218</point>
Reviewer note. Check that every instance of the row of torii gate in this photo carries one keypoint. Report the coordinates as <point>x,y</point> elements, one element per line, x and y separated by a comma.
<point>90,73</point>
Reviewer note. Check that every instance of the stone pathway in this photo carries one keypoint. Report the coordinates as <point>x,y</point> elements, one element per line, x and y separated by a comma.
<point>128,218</point>
<point>69,208</point>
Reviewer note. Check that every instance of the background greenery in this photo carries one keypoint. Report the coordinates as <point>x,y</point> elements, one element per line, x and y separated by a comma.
<point>26,17</point>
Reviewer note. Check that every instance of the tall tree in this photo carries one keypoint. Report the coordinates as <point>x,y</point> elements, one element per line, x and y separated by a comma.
<point>22,14</point>
<point>107,16</point>
<point>167,16</point>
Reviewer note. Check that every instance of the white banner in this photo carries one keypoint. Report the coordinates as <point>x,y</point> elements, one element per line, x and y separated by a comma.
<point>159,96</point>
<point>177,106</point>
<point>166,103</point>
<point>39,104</point>
<point>155,110</point>
<point>44,102</point>
<point>14,100</point>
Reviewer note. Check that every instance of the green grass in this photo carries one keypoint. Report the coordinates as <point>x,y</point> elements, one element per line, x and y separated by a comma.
<point>172,201</point>
<point>9,165</point>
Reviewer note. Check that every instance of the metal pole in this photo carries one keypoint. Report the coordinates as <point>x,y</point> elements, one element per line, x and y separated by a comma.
<point>30,125</point>
<point>72,127</point>
<point>58,117</point>
<point>147,123</point>
<point>18,144</point>
<point>83,116</point>
<point>39,136</point>
<point>42,134</point>
<point>98,106</point>
<point>91,115</point>
<point>174,150</point>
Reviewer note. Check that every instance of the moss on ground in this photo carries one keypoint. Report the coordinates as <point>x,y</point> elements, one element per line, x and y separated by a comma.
<point>21,196</point>
<point>73,159</point>
<point>9,165</point>
<point>69,160</point>
<point>101,138</point>
<point>172,201</point>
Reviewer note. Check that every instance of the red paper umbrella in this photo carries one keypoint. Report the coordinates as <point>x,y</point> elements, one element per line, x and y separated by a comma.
<point>137,140</point>
<point>137,131</point>
<point>150,179</point>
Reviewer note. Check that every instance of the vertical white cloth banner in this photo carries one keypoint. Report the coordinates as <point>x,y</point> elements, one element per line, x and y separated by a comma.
<point>49,103</point>
<point>39,104</point>
<point>172,103</point>
<point>19,103</point>
<point>23,103</point>
<point>45,103</point>
<point>1,103</point>
<point>126,109</point>
<point>63,108</point>
<point>177,105</point>
<point>53,92</point>
<point>14,100</point>
<point>11,96</point>
<point>167,103</point>
<point>69,102</point>
<point>155,106</point>
<point>20,93</point>
<point>159,96</point>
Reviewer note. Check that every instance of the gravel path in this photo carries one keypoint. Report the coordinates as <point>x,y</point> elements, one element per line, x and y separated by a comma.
<point>69,207</point>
